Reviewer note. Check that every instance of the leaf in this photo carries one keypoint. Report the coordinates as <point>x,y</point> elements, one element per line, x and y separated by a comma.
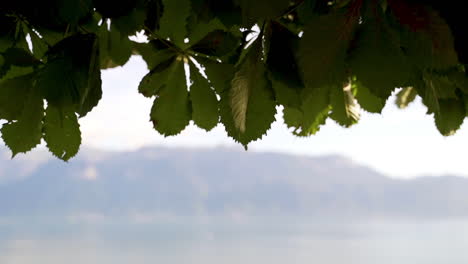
<point>433,87</point>
<point>156,79</point>
<point>71,72</point>
<point>443,50</point>
<point>25,133</point>
<point>201,29</point>
<point>54,83</point>
<point>171,111</point>
<point>248,107</point>
<point>450,116</point>
<point>115,48</point>
<point>286,95</point>
<point>71,11</point>
<point>151,55</point>
<point>219,74</point>
<point>16,71</point>
<point>239,95</point>
<point>367,100</point>
<point>112,9</point>
<point>173,23</point>
<point>205,108</point>
<point>92,93</point>
<point>322,50</point>
<point>306,9</point>
<point>405,97</point>
<point>282,65</point>
<point>18,58</point>
<point>262,9</point>
<point>39,46</point>
<point>345,110</point>
<point>154,9</point>
<point>131,23</point>
<point>13,93</point>
<point>427,39</point>
<point>315,108</point>
<point>442,86</point>
<point>377,59</point>
<point>51,37</point>
<point>228,11</point>
<point>62,132</point>
<point>217,43</point>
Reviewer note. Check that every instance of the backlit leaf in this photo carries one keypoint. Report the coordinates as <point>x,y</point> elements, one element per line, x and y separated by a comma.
<point>171,111</point>
<point>25,133</point>
<point>205,107</point>
<point>62,132</point>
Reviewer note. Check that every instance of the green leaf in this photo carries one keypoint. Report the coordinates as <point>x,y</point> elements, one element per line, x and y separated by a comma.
<point>405,97</point>
<point>39,46</point>
<point>293,118</point>
<point>377,59</point>
<point>16,71</point>
<point>442,86</point>
<point>205,109</point>
<point>54,83</point>
<point>450,116</point>
<point>131,23</point>
<point>71,11</point>
<point>92,93</point>
<point>443,50</point>
<point>156,79</point>
<point>13,93</point>
<point>315,109</point>
<point>345,110</point>
<point>282,65</point>
<point>173,23</point>
<point>431,44</point>
<point>62,132</point>
<point>460,79</point>
<point>51,37</point>
<point>18,58</point>
<point>228,11</point>
<point>112,9</point>
<point>217,43</point>
<point>151,55</point>
<point>262,9</point>
<point>322,50</point>
<point>248,107</point>
<point>115,48</point>
<point>465,100</point>
<point>71,72</point>
<point>171,111</point>
<point>25,133</point>
<point>201,29</point>
<point>219,74</point>
<point>287,95</point>
<point>306,11</point>
<point>367,100</point>
<point>433,86</point>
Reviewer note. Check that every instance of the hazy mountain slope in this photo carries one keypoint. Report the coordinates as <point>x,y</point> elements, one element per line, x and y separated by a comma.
<point>218,182</point>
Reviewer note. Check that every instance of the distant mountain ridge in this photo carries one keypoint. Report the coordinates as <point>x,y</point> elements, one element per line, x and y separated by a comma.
<point>219,182</point>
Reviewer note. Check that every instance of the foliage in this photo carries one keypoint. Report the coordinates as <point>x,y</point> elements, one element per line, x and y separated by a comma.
<point>231,62</point>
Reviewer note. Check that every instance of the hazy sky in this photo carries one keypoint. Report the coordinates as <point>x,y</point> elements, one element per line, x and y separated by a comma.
<point>400,143</point>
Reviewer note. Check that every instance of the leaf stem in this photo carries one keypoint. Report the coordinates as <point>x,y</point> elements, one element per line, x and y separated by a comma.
<point>164,41</point>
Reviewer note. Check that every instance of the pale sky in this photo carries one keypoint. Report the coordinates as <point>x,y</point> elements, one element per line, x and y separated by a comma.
<point>399,143</point>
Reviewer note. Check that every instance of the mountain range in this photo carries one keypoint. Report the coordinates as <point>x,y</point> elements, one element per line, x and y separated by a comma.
<point>219,181</point>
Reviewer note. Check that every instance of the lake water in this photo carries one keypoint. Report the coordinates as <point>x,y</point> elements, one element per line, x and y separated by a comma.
<point>272,242</point>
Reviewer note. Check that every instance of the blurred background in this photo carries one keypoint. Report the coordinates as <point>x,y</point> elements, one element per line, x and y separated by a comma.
<point>389,190</point>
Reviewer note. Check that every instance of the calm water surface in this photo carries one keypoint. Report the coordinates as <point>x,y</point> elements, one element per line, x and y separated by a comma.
<point>359,242</point>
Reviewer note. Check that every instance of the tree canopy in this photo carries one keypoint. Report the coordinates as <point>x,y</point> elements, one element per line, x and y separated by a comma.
<point>231,62</point>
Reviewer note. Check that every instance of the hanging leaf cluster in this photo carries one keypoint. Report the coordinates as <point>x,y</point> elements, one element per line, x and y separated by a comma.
<point>232,62</point>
